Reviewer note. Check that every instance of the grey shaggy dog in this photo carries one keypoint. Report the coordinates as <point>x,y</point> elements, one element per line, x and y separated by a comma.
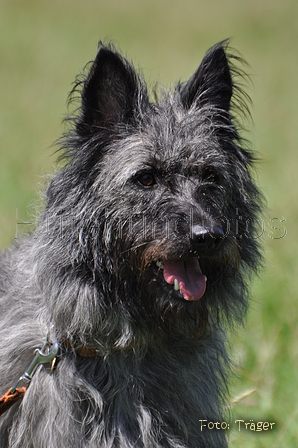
<point>139,266</point>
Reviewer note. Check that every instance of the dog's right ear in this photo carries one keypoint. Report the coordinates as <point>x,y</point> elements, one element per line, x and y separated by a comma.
<point>109,93</point>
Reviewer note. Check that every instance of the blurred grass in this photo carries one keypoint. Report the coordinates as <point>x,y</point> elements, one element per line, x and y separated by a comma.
<point>43,45</point>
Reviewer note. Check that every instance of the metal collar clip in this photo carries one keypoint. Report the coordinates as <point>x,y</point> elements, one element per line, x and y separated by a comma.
<point>45,355</point>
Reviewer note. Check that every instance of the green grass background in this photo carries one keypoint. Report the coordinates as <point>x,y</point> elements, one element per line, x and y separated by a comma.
<point>44,44</point>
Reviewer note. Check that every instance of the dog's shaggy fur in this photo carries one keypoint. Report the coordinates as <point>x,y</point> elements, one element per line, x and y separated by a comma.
<point>151,191</point>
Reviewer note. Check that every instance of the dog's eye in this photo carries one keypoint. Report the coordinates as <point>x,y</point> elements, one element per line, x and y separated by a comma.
<point>210,176</point>
<point>146,179</point>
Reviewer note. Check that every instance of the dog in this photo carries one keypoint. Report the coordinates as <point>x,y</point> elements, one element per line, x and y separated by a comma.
<point>139,266</point>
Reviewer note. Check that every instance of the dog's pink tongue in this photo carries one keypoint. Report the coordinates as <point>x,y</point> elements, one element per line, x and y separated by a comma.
<point>192,282</point>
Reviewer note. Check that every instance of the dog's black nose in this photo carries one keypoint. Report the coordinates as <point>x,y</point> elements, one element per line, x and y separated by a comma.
<point>206,236</point>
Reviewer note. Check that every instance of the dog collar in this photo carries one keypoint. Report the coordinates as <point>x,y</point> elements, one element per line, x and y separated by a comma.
<point>90,352</point>
<point>84,350</point>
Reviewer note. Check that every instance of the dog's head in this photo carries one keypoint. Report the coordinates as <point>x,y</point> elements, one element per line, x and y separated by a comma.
<point>162,203</point>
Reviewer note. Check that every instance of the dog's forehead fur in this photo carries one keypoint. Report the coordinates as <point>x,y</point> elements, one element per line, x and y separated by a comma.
<point>161,146</point>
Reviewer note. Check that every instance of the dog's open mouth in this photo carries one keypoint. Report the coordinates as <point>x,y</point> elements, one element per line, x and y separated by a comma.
<point>186,276</point>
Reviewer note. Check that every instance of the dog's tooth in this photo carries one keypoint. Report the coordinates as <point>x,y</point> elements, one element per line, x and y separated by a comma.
<point>205,278</point>
<point>159,264</point>
<point>176,285</point>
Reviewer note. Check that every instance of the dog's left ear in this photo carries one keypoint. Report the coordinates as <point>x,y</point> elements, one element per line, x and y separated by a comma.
<point>211,83</point>
<point>109,91</point>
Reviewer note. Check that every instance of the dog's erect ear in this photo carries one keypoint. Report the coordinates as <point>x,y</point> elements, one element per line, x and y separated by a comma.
<point>109,91</point>
<point>211,83</point>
